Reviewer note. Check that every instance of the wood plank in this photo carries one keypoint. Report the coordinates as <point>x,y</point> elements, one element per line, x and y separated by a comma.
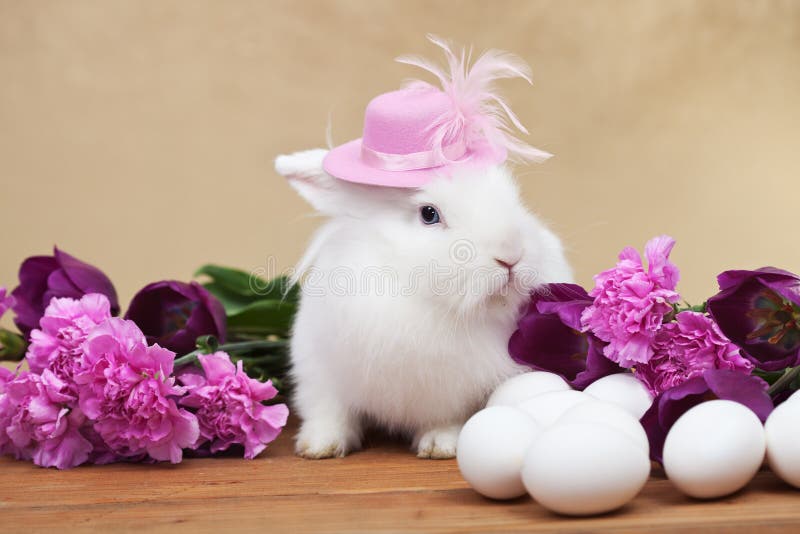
<point>381,489</point>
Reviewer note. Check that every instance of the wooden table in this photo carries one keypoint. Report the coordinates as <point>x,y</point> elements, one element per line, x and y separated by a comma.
<point>381,489</point>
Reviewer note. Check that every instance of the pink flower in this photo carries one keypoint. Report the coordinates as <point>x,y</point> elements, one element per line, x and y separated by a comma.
<point>687,348</point>
<point>6,375</point>
<point>229,406</point>
<point>7,410</point>
<point>630,303</point>
<point>6,301</point>
<point>38,422</point>
<point>126,387</point>
<point>56,345</point>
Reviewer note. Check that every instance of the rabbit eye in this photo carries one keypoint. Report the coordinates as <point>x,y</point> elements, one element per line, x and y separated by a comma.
<point>429,215</point>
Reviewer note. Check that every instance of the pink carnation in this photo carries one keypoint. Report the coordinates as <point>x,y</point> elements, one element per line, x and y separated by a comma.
<point>66,323</point>
<point>630,303</point>
<point>6,375</point>
<point>127,389</point>
<point>7,410</point>
<point>6,301</point>
<point>37,422</point>
<point>687,348</point>
<point>229,406</point>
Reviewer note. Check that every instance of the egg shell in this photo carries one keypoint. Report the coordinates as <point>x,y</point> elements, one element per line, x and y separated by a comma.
<point>548,407</point>
<point>584,469</point>
<point>714,449</point>
<point>522,387</point>
<point>622,389</point>
<point>608,414</point>
<point>782,431</point>
<point>491,448</point>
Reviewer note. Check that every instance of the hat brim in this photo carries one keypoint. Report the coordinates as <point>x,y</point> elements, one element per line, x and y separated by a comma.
<point>344,162</point>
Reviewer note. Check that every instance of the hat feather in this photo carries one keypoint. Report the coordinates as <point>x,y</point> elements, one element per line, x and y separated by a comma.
<point>479,112</point>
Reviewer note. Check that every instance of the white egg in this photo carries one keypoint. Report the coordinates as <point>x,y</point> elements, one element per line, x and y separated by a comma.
<point>714,449</point>
<point>584,469</point>
<point>491,448</point>
<point>522,387</point>
<point>623,389</point>
<point>608,414</point>
<point>548,407</point>
<point>783,440</point>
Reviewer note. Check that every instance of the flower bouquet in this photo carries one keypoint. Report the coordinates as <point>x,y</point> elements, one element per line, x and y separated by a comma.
<point>742,345</point>
<point>190,367</point>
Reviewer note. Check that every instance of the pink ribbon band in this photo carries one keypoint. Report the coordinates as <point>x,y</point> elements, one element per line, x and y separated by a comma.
<point>415,160</point>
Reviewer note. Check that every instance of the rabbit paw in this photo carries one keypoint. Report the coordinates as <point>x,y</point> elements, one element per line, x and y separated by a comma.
<point>324,441</point>
<point>438,443</point>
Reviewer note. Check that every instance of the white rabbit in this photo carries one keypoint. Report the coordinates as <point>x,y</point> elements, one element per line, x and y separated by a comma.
<point>402,323</point>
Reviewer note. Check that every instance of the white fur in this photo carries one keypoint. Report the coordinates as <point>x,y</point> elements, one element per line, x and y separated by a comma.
<point>395,328</point>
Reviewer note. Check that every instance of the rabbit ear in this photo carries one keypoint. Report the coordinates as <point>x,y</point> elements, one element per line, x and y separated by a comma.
<point>331,196</point>
<point>305,174</point>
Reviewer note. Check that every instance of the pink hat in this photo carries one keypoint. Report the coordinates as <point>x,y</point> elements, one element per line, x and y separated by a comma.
<point>418,132</point>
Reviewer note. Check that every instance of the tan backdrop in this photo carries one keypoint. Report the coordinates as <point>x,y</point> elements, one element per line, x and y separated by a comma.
<point>140,135</point>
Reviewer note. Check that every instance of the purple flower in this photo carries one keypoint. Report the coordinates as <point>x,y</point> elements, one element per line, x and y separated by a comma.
<point>43,277</point>
<point>229,406</point>
<point>630,303</point>
<point>174,314</point>
<point>6,301</point>
<point>760,312</point>
<point>57,345</point>
<point>687,348</point>
<point>549,337</point>
<point>127,388</point>
<point>721,384</point>
<point>40,422</point>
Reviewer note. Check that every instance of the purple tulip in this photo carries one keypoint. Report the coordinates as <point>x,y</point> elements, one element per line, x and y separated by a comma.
<point>43,277</point>
<point>174,314</point>
<point>713,384</point>
<point>549,337</point>
<point>760,312</point>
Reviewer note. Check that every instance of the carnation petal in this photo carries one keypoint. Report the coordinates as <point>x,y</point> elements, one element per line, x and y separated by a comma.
<point>216,366</point>
<point>71,450</point>
<point>276,415</point>
<point>657,252</point>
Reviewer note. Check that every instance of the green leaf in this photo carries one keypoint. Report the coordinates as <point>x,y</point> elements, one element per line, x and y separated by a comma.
<point>231,301</point>
<point>233,280</point>
<point>264,317</point>
<point>232,283</point>
<point>278,288</point>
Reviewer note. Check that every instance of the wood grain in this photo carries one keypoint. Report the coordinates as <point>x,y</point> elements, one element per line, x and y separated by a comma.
<point>381,489</point>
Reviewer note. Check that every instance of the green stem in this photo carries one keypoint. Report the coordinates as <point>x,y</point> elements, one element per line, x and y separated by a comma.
<point>699,308</point>
<point>233,347</point>
<point>784,381</point>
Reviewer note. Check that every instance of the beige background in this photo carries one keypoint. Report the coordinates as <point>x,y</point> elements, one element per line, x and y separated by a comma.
<point>140,135</point>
